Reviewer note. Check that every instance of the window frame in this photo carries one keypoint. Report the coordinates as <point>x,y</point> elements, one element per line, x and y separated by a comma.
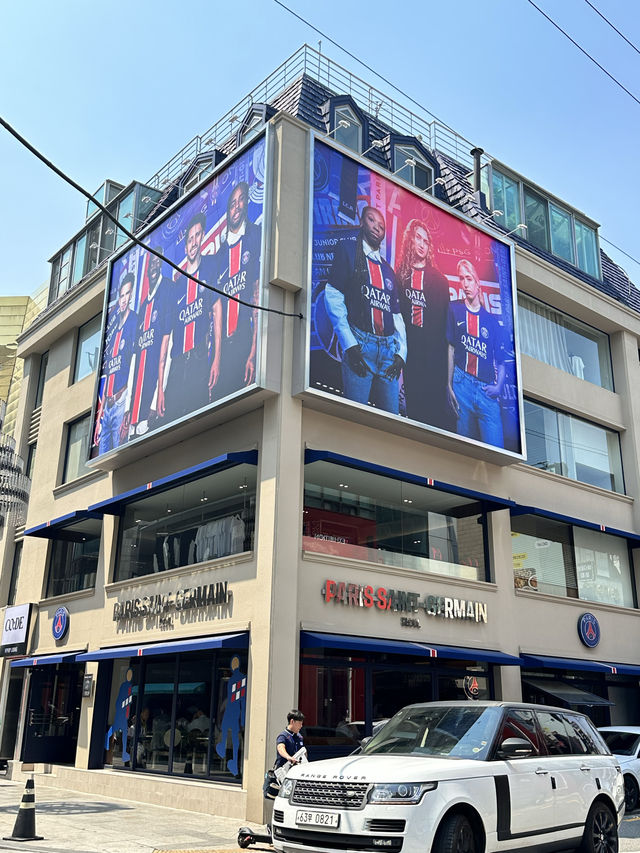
<point>410,147</point>
<point>42,379</point>
<point>80,342</point>
<point>65,478</point>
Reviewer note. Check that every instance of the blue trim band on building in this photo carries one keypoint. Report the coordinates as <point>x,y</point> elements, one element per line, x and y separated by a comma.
<point>547,662</point>
<point>491,501</point>
<point>65,657</point>
<point>313,640</point>
<point>577,522</point>
<point>222,641</point>
<point>116,504</point>
<point>72,526</point>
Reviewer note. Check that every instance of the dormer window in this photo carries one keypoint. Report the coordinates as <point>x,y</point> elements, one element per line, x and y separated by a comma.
<point>410,165</point>
<point>202,167</point>
<point>348,129</point>
<point>252,123</point>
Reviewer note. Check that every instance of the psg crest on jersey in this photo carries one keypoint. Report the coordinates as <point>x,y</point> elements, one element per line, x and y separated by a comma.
<point>245,258</point>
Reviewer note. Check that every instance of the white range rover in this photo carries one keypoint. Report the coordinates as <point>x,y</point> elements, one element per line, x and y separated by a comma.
<point>469,777</point>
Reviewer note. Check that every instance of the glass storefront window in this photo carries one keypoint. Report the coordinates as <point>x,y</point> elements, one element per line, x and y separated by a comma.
<point>201,520</point>
<point>185,715</point>
<point>365,516</point>
<point>560,341</point>
<point>562,559</point>
<point>72,566</point>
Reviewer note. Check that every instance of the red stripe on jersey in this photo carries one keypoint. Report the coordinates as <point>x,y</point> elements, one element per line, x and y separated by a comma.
<point>137,397</point>
<point>471,366</point>
<point>417,312</point>
<point>114,353</point>
<point>190,328</point>
<point>375,276</point>
<point>234,269</point>
<point>472,324</point>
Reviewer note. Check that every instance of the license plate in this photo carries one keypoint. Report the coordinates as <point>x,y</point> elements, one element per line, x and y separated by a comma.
<point>318,818</point>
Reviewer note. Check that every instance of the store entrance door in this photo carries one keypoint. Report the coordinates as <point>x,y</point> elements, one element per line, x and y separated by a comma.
<point>53,714</point>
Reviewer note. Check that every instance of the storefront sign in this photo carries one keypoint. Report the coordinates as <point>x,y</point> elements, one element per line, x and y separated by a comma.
<point>164,606</point>
<point>589,630</point>
<point>15,629</point>
<point>401,601</point>
<point>60,623</point>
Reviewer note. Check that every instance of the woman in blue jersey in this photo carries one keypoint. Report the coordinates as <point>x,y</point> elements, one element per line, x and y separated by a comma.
<point>476,362</point>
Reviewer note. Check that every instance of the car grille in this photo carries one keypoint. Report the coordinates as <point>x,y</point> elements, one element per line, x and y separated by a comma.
<point>382,825</point>
<point>278,816</point>
<point>337,795</point>
<point>337,840</point>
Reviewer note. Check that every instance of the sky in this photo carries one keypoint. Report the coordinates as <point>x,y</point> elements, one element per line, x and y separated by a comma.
<point>115,91</point>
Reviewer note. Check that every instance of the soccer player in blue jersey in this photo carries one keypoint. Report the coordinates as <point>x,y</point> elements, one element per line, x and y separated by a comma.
<point>112,427</point>
<point>363,303</point>
<point>237,273</point>
<point>476,362</point>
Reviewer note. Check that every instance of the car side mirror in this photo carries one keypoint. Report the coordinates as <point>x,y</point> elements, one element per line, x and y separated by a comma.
<point>515,747</point>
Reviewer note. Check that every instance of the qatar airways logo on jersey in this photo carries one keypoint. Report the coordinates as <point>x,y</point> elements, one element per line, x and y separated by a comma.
<point>146,339</point>
<point>191,312</point>
<point>416,297</point>
<point>114,364</point>
<point>377,298</point>
<point>236,284</point>
<point>474,345</point>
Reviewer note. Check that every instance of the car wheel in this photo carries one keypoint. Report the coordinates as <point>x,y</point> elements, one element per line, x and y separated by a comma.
<point>455,835</point>
<point>630,793</point>
<point>600,831</point>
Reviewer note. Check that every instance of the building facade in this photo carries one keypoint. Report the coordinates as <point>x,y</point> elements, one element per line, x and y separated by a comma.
<point>231,516</point>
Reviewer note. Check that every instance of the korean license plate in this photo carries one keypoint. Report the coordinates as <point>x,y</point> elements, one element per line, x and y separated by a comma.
<point>318,818</point>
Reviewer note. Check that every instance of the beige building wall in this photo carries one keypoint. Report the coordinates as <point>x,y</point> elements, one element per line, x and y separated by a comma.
<point>277,588</point>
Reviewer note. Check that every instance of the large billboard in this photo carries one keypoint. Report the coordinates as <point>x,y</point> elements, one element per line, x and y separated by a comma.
<point>173,346</point>
<point>412,307</point>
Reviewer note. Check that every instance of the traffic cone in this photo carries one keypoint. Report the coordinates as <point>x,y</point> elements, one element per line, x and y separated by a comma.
<point>25,826</point>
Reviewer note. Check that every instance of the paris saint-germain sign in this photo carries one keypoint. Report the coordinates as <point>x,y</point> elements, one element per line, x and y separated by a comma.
<point>589,630</point>
<point>60,623</point>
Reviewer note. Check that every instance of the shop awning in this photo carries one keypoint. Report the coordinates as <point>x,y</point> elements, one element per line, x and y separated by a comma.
<point>576,522</point>
<point>65,657</point>
<point>221,641</point>
<point>567,692</point>
<point>491,501</point>
<point>78,526</point>
<point>545,662</point>
<point>116,504</point>
<point>316,640</point>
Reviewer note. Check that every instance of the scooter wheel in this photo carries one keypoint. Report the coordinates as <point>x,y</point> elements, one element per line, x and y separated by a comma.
<point>245,838</point>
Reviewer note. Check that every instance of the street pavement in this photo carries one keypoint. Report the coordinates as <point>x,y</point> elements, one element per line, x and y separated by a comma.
<point>71,822</point>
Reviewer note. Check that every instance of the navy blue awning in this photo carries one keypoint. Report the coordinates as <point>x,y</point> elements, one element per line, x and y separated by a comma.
<point>77,526</point>
<point>221,641</point>
<point>116,504</point>
<point>567,692</point>
<point>316,640</point>
<point>491,502</point>
<point>547,662</point>
<point>65,657</point>
<point>577,522</point>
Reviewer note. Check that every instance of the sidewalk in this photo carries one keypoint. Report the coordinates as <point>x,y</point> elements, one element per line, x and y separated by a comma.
<point>77,823</point>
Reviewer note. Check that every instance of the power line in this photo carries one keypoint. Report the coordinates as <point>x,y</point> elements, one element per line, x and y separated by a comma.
<point>631,258</point>
<point>21,139</point>
<point>586,53</point>
<point>622,35</point>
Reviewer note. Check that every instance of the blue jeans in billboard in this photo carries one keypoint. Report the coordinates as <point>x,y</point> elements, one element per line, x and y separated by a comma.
<point>112,417</point>
<point>378,352</point>
<point>476,407</point>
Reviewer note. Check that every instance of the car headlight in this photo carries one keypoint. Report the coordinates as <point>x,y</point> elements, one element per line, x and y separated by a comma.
<point>402,792</point>
<point>286,789</point>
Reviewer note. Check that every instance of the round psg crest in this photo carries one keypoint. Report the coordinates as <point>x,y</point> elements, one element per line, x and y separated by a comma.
<point>589,630</point>
<point>60,623</point>
<point>471,687</point>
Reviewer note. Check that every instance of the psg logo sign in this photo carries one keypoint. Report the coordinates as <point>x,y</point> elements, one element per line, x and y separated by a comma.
<point>589,630</point>
<point>60,623</point>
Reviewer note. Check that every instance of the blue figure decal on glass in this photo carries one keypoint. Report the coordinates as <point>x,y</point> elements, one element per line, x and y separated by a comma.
<point>234,715</point>
<point>121,717</point>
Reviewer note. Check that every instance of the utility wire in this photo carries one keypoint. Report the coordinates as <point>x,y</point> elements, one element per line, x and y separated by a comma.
<point>622,35</point>
<point>631,258</point>
<point>586,53</point>
<point>131,236</point>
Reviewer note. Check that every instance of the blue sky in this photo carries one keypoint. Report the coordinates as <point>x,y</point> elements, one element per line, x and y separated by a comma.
<point>115,90</point>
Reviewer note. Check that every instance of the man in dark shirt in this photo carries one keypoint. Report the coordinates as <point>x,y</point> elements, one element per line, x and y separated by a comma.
<point>290,740</point>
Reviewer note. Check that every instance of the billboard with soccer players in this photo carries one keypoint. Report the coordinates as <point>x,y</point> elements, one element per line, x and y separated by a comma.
<point>173,344</point>
<point>412,307</point>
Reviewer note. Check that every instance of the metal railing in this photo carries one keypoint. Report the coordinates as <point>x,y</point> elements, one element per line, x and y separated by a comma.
<point>306,60</point>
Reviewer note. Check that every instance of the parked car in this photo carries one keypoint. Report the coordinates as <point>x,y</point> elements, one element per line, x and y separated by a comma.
<point>470,777</point>
<point>624,743</point>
